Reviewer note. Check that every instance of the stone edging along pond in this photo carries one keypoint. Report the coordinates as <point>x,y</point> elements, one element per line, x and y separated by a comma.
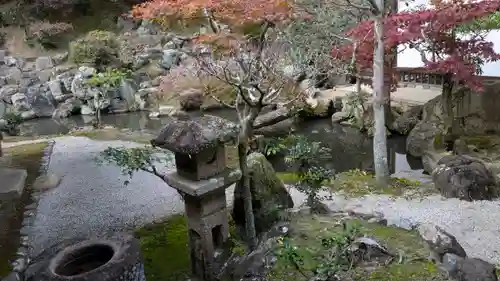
<point>23,255</point>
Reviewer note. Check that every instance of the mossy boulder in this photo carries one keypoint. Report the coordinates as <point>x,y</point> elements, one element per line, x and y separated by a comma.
<point>269,195</point>
<point>97,48</point>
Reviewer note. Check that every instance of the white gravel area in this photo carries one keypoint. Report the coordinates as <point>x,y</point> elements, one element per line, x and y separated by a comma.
<point>93,199</point>
<point>476,225</point>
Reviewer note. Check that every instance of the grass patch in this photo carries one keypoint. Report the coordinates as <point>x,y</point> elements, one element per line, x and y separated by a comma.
<point>11,139</point>
<point>165,248</point>
<point>358,183</point>
<point>288,178</point>
<point>107,134</point>
<point>110,134</point>
<point>308,231</point>
<point>27,157</point>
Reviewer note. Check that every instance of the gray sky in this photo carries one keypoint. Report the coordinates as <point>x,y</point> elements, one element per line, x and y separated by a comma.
<point>411,58</point>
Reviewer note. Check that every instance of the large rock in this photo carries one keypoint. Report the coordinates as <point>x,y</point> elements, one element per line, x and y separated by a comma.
<point>269,194</point>
<point>20,102</point>
<point>408,120</point>
<point>171,58</point>
<point>67,108</point>
<point>80,89</point>
<point>41,100</point>
<point>475,114</point>
<point>464,177</point>
<point>423,138</point>
<point>7,91</point>
<point>469,269</point>
<point>272,117</point>
<point>278,129</point>
<point>440,242</point>
<point>55,87</point>
<point>127,92</point>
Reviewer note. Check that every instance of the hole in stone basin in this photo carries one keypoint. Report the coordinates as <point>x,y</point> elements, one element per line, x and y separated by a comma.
<point>84,260</point>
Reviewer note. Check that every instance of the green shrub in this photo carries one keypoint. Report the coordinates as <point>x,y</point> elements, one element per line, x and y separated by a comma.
<point>97,48</point>
<point>48,35</point>
<point>12,122</point>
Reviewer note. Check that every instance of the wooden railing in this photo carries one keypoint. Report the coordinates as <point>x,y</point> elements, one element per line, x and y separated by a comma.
<point>421,77</point>
<point>412,77</point>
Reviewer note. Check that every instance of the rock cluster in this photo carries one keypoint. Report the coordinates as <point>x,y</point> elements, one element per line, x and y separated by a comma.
<point>51,86</point>
<point>450,256</point>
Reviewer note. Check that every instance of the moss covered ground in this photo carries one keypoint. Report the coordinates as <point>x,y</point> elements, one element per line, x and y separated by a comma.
<point>357,183</point>
<point>109,134</point>
<point>308,232</point>
<point>26,157</point>
<point>106,134</point>
<point>165,250</point>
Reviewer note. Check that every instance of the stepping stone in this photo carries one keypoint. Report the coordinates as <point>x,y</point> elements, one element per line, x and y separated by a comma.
<point>13,181</point>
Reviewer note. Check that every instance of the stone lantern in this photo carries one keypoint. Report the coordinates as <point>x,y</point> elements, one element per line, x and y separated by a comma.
<point>201,176</point>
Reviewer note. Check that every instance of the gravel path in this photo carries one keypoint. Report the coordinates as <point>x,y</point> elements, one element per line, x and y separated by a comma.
<point>92,199</point>
<point>476,225</point>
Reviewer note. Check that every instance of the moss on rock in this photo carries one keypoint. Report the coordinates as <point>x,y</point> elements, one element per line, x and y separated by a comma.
<point>269,195</point>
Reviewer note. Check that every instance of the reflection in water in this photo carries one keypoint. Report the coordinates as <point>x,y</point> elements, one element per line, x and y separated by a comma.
<point>353,150</point>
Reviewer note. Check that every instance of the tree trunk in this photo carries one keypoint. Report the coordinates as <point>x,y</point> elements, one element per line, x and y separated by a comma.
<point>389,70</point>
<point>380,136</point>
<point>447,104</point>
<point>98,116</point>
<point>245,134</point>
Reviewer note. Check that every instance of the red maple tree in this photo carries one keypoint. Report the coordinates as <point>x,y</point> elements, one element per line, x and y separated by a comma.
<point>430,31</point>
<point>232,12</point>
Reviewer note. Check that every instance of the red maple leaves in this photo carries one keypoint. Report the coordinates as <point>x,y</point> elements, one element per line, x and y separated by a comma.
<point>227,11</point>
<point>430,30</point>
